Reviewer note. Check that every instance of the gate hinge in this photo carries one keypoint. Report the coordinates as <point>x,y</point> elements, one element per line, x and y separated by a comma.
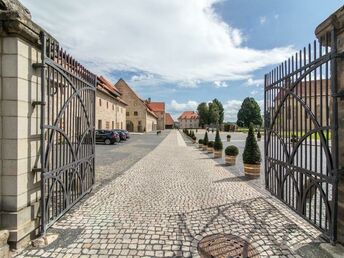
<point>38,65</point>
<point>35,170</point>
<point>37,103</point>
<point>339,94</point>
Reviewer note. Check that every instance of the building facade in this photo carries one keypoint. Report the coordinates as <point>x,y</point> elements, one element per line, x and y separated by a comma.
<point>110,107</point>
<point>169,122</point>
<point>159,109</point>
<point>189,120</point>
<point>139,117</point>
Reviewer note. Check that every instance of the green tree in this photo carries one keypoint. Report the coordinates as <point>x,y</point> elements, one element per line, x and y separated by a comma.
<point>218,143</point>
<point>205,140</point>
<point>251,154</point>
<point>249,113</point>
<point>214,114</point>
<point>203,112</point>
<point>220,110</point>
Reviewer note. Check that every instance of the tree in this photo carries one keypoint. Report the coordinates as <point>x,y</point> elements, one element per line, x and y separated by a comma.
<point>249,113</point>
<point>251,154</point>
<point>203,113</point>
<point>218,143</point>
<point>205,140</point>
<point>221,111</point>
<point>214,114</point>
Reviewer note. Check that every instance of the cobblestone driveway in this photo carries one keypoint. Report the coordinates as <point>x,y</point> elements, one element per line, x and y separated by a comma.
<point>168,201</point>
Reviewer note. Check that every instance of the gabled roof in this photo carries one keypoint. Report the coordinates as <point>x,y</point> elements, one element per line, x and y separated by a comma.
<point>157,106</point>
<point>107,87</point>
<point>168,119</point>
<point>135,94</point>
<point>188,115</point>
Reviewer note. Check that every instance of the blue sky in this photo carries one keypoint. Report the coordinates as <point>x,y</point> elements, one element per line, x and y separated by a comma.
<point>185,52</point>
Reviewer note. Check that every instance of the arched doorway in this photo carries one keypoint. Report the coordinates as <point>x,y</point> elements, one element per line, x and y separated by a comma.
<point>130,126</point>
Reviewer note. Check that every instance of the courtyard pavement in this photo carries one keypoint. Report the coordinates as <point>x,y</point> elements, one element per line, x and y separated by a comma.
<point>165,203</point>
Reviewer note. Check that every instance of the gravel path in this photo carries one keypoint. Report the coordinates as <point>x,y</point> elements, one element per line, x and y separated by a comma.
<point>167,202</point>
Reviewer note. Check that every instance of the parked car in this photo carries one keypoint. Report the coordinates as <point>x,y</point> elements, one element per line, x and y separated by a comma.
<point>121,134</point>
<point>126,133</point>
<point>107,136</point>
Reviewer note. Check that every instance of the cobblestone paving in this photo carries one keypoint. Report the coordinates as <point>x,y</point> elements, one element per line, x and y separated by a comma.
<point>167,202</point>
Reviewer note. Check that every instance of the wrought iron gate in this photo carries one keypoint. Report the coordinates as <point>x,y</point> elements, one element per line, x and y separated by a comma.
<point>67,131</point>
<point>301,143</point>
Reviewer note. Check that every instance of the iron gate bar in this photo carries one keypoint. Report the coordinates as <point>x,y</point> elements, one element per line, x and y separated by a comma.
<point>301,129</point>
<point>67,131</point>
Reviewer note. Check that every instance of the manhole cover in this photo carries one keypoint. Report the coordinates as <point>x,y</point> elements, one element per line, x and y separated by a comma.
<point>225,246</point>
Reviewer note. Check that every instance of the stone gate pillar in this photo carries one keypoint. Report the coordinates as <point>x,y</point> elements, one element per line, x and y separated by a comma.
<point>19,123</point>
<point>336,22</point>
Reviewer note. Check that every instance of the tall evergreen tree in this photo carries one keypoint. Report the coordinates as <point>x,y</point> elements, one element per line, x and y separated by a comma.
<point>205,140</point>
<point>218,143</point>
<point>251,154</point>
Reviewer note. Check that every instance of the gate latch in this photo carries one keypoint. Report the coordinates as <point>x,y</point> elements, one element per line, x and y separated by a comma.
<point>37,103</point>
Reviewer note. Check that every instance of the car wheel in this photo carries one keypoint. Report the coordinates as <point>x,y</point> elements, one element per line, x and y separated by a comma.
<point>107,142</point>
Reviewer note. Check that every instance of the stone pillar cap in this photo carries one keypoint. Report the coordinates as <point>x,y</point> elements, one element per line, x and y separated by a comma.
<point>335,20</point>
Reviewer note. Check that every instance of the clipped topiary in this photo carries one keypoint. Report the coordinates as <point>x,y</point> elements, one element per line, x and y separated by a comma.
<point>232,150</point>
<point>200,141</point>
<point>205,140</point>
<point>211,144</point>
<point>251,153</point>
<point>218,143</point>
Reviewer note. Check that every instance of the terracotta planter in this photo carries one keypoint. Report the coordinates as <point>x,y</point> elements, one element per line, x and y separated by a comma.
<point>205,147</point>
<point>252,170</point>
<point>230,160</point>
<point>210,149</point>
<point>217,154</point>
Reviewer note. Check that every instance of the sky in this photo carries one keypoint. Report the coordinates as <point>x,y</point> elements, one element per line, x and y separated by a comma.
<point>184,52</point>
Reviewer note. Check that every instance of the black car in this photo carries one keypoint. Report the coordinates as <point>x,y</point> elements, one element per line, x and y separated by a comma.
<point>126,133</point>
<point>107,136</point>
<point>121,134</point>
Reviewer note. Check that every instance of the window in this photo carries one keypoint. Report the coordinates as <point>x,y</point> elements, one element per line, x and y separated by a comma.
<point>136,113</point>
<point>121,125</point>
<point>127,113</point>
<point>139,122</point>
<point>100,124</point>
<point>113,124</point>
<point>100,102</point>
<point>107,125</point>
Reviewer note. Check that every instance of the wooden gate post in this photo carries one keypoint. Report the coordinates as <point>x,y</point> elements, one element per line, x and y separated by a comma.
<point>336,22</point>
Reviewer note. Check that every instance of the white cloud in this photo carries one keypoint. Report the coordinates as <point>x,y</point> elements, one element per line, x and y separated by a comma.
<point>262,20</point>
<point>254,92</point>
<point>189,84</point>
<point>220,84</point>
<point>177,41</point>
<point>255,82</point>
<point>189,105</point>
<point>142,77</point>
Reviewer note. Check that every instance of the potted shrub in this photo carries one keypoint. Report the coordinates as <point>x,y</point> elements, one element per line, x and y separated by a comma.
<point>251,156</point>
<point>259,136</point>
<point>210,148</point>
<point>218,146</point>
<point>229,138</point>
<point>205,141</point>
<point>200,143</point>
<point>231,152</point>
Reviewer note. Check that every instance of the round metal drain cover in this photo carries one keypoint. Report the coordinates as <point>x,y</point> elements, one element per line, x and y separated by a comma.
<point>225,246</point>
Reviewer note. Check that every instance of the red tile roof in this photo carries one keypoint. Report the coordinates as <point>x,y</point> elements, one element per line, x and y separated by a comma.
<point>157,106</point>
<point>188,115</point>
<point>168,119</point>
<point>109,88</point>
<point>135,94</point>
